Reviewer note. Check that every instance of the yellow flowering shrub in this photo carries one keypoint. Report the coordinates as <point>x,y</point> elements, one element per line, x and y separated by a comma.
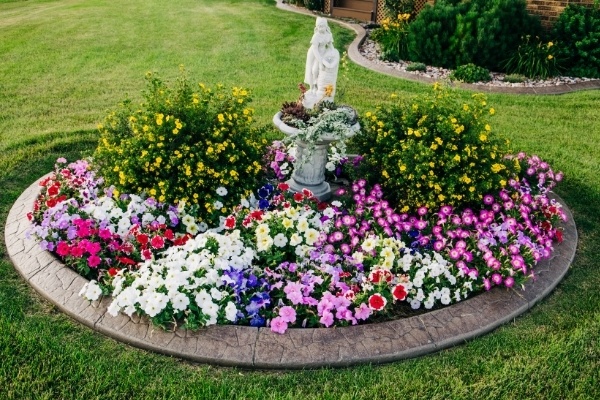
<point>434,151</point>
<point>188,143</point>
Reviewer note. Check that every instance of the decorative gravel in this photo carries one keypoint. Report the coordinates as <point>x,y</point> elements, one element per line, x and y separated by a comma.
<point>370,50</point>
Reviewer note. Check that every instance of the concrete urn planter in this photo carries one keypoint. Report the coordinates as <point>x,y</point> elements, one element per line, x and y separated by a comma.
<point>309,168</point>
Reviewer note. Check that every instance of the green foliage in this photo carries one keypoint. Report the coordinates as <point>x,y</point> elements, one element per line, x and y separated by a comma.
<point>430,33</point>
<point>395,7</point>
<point>534,59</point>
<point>471,73</point>
<point>433,151</point>
<point>577,32</point>
<point>416,66</point>
<point>392,37</point>
<point>482,32</point>
<point>514,78</point>
<point>181,145</point>
<point>314,5</point>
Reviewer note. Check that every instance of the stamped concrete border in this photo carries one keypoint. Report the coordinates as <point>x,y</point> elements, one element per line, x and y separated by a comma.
<point>355,55</point>
<point>249,347</point>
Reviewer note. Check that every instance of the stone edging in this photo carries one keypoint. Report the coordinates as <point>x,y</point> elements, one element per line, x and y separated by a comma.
<point>355,55</point>
<point>250,347</point>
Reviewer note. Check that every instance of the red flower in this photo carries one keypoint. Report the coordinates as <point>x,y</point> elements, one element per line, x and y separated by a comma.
<point>142,239</point>
<point>399,293</point>
<point>180,241</point>
<point>298,197</point>
<point>146,254</point>
<point>113,271</point>
<point>50,203</point>
<point>380,274</point>
<point>30,216</point>
<point>377,302</point>
<point>157,242</point>
<point>53,190</point>
<point>322,205</point>
<point>307,193</point>
<point>126,248</point>
<point>169,234</point>
<point>559,236</point>
<point>230,222</point>
<point>283,186</point>
<point>126,261</point>
<point>257,215</point>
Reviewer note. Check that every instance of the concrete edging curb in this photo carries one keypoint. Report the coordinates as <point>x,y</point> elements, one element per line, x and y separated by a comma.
<point>260,348</point>
<point>355,55</point>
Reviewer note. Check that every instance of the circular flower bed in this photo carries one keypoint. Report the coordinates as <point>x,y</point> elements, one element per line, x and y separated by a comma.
<point>283,259</point>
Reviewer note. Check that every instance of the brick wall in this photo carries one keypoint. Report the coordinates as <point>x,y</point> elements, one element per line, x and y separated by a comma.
<point>549,10</point>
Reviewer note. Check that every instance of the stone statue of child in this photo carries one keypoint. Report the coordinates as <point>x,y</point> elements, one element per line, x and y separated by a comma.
<point>322,62</point>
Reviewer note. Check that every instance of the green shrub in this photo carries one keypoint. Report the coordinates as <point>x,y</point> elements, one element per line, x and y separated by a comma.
<point>514,78</point>
<point>183,144</point>
<point>416,66</point>
<point>391,37</point>
<point>482,32</point>
<point>471,73</point>
<point>577,32</point>
<point>430,33</point>
<point>314,5</point>
<point>433,151</point>
<point>395,7</point>
<point>534,59</point>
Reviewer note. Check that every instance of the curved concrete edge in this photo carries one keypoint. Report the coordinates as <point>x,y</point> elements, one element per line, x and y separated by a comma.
<point>249,347</point>
<point>355,55</point>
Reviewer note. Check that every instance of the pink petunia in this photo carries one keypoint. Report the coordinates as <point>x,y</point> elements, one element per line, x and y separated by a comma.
<point>363,312</point>
<point>278,325</point>
<point>326,319</point>
<point>288,314</point>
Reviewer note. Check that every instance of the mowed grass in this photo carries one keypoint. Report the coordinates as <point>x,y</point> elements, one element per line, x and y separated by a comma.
<point>64,63</point>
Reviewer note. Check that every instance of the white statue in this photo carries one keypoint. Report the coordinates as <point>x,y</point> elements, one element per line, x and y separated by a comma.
<point>322,62</point>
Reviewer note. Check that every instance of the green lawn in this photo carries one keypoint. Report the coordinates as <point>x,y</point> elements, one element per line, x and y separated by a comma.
<point>64,63</point>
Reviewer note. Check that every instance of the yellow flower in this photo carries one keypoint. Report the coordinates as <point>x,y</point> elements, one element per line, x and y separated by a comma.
<point>385,174</point>
<point>482,137</point>
<point>492,111</point>
<point>497,168</point>
<point>550,56</point>
<point>221,117</point>
<point>550,44</point>
<point>159,119</point>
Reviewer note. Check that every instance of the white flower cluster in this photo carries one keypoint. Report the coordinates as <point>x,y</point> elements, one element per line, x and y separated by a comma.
<point>297,226</point>
<point>193,272</point>
<point>429,273</point>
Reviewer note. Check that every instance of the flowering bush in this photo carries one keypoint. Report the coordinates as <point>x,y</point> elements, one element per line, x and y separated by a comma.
<point>392,37</point>
<point>534,59</point>
<point>478,218</point>
<point>183,145</point>
<point>434,151</point>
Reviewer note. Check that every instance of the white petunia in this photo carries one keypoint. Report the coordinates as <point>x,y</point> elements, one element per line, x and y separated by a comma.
<point>202,298</point>
<point>221,191</point>
<point>311,236</point>
<point>180,302</point>
<point>231,312</point>
<point>218,205</point>
<point>280,240</point>
<point>216,294</point>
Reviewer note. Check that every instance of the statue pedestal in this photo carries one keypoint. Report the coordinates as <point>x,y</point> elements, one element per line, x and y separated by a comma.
<point>309,169</point>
